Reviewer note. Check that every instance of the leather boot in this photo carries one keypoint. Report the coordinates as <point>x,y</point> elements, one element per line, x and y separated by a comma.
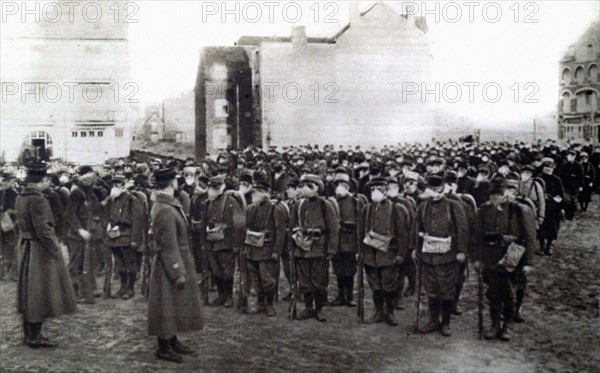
<point>434,317</point>
<point>518,317</point>
<point>123,288</point>
<point>390,298</point>
<point>341,298</point>
<point>494,331</point>
<point>378,301</point>
<point>507,314</point>
<point>455,309</point>
<point>350,291</point>
<point>37,339</point>
<point>320,301</point>
<point>220,299</point>
<point>179,347</point>
<point>130,292</point>
<point>447,307</point>
<point>309,311</point>
<point>269,309</point>
<point>398,297</point>
<point>228,293</point>
<point>27,335</point>
<point>165,351</point>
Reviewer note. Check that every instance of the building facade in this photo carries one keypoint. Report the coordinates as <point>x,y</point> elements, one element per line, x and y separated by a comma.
<point>578,115</point>
<point>345,89</point>
<point>66,88</point>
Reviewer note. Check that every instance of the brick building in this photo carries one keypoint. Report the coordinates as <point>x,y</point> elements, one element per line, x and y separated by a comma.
<point>75,75</point>
<point>578,115</point>
<point>344,89</point>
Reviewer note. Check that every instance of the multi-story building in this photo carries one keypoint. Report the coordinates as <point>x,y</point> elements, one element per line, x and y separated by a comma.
<point>66,79</point>
<point>578,115</point>
<point>353,87</point>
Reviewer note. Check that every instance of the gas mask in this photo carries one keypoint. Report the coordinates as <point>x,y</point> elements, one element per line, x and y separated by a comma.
<point>259,195</point>
<point>525,176</point>
<point>308,190</point>
<point>548,170</point>
<point>341,190</point>
<point>190,181</point>
<point>214,193</point>
<point>510,194</point>
<point>116,191</point>
<point>377,196</point>
<point>393,173</point>
<point>245,189</point>
<point>393,190</point>
<point>63,179</point>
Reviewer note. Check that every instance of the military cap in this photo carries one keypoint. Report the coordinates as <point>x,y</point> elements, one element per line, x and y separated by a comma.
<point>37,168</point>
<point>341,177</point>
<point>584,155</point>
<point>408,161</point>
<point>379,181</point>
<point>165,174</point>
<point>261,181</point>
<point>547,161</point>
<point>435,181</point>
<point>278,167</point>
<point>498,185</point>
<point>411,176</point>
<point>246,177</point>
<point>527,167</point>
<point>118,179</point>
<point>310,178</point>
<point>451,177</point>
<point>217,180</point>
<point>462,165</point>
<point>293,183</point>
<point>189,169</point>
<point>85,170</point>
<point>512,180</point>
<point>483,170</point>
<point>393,180</point>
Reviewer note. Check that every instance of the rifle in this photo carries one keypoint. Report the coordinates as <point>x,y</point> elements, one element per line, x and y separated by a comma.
<point>242,304</point>
<point>293,309</point>
<point>146,271</point>
<point>106,289</point>
<point>480,301</point>
<point>418,326</point>
<point>205,280</point>
<point>360,310</point>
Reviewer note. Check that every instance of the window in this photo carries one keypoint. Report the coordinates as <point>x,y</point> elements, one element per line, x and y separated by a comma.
<point>118,132</point>
<point>566,76</point>
<point>221,108</point>
<point>579,75</point>
<point>83,134</point>
<point>74,134</point>
<point>100,133</point>
<point>92,134</point>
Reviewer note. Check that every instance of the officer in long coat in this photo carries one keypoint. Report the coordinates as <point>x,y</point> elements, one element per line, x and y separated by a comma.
<point>589,177</point>
<point>44,286</point>
<point>384,220</point>
<point>173,302</point>
<point>439,242</point>
<point>555,194</point>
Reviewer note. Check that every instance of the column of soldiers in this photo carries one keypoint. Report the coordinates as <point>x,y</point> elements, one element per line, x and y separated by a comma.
<point>402,215</point>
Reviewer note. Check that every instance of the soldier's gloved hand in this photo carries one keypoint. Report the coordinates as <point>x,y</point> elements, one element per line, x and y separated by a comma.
<point>477,266</point>
<point>275,256</point>
<point>84,234</point>
<point>415,257</point>
<point>399,260</point>
<point>461,257</point>
<point>540,221</point>
<point>180,283</point>
<point>527,269</point>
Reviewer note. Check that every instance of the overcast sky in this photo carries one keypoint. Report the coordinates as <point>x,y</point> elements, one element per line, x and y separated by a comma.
<point>520,47</point>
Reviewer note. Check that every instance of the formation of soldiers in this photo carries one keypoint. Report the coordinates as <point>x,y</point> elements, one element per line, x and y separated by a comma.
<point>406,216</point>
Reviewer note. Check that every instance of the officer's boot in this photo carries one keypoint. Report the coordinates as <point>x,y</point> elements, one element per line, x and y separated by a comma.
<point>179,347</point>
<point>220,299</point>
<point>447,307</point>
<point>398,296</point>
<point>269,298</point>
<point>228,293</point>
<point>27,339</point>
<point>165,351</point>
<point>507,314</point>
<point>378,301</point>
<point>341,297</point>
<point>548,247</point>
<point>130,286</point>
<point>390,298</point>
<point>455,309</point>
<point>434,317</point>
<point>123,288</point>
<point>494,331</point>
<point>350,291</point>
<point>320,301</point>
<point>37,338</point>
<point>260,303</point>
<point>542,247</point>
<point>518,317</point>
<point>309,311</point>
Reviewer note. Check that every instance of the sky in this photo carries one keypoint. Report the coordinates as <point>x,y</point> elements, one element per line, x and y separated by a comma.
<point>516,50</point>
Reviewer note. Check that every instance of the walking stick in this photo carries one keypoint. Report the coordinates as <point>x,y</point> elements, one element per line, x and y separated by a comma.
<point>361,263</point>
<point>420,269</point>
<point>480,301</point>
<point>108,275</point>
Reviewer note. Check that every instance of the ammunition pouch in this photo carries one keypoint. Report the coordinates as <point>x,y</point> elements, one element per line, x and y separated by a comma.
<point>255,239</point>
<point>196,225</point>
<point>378,241</point>
<point>216,234</point>
<point>512,257</point>
<point>436,245</point>
<point>348,226</point>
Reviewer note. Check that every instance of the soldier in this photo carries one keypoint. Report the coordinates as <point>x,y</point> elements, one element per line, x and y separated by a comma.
<point>199,196</point>
<point>571,175</point>
<point>504,245</point>
<point>439,243</point>
<point>44,288</point>
<point>292,195</point>
<point>264,242</point>
<point>316,232</point>
<point>280,181</point>
<point>126,218</point>
<point>384,248</point>
<point>173,304</point>
<point>554,205</point>
<point>80,207</point>
<point>531,188</point>
<point>589,177</point>
<point>224,227</point>
<point>8,234</point>
<point>344,261</point>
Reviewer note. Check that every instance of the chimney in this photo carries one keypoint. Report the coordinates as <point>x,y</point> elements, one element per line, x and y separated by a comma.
<point>354,12</point>
<point>299,38</point>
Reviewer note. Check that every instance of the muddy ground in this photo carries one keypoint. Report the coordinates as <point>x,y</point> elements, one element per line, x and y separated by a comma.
<point>561,332</point>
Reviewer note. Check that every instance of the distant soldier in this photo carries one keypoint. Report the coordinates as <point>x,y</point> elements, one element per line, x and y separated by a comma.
<point>571,175</point>
<point>44,287</point>
<point>224,227</point>
<point>8,234</point>
<point>344,261</point>
<point>532,188</point>
<point>589,179</point>
<point>554,206</point>
<point>439,243</point>
<point>504,245</point>
<point>173,303</point>
<point>264,242</point>
<point>384,248</point>
<point>316,233</point>
<point>292,196</point>
<point>126,214</point>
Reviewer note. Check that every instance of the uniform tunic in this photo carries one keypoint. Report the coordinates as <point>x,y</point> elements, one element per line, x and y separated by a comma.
<point>551,225</point>
<point>44,287</point>
<point>344,262</point>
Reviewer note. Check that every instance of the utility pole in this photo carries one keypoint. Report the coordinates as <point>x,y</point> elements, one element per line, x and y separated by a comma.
<point>534,130</point>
